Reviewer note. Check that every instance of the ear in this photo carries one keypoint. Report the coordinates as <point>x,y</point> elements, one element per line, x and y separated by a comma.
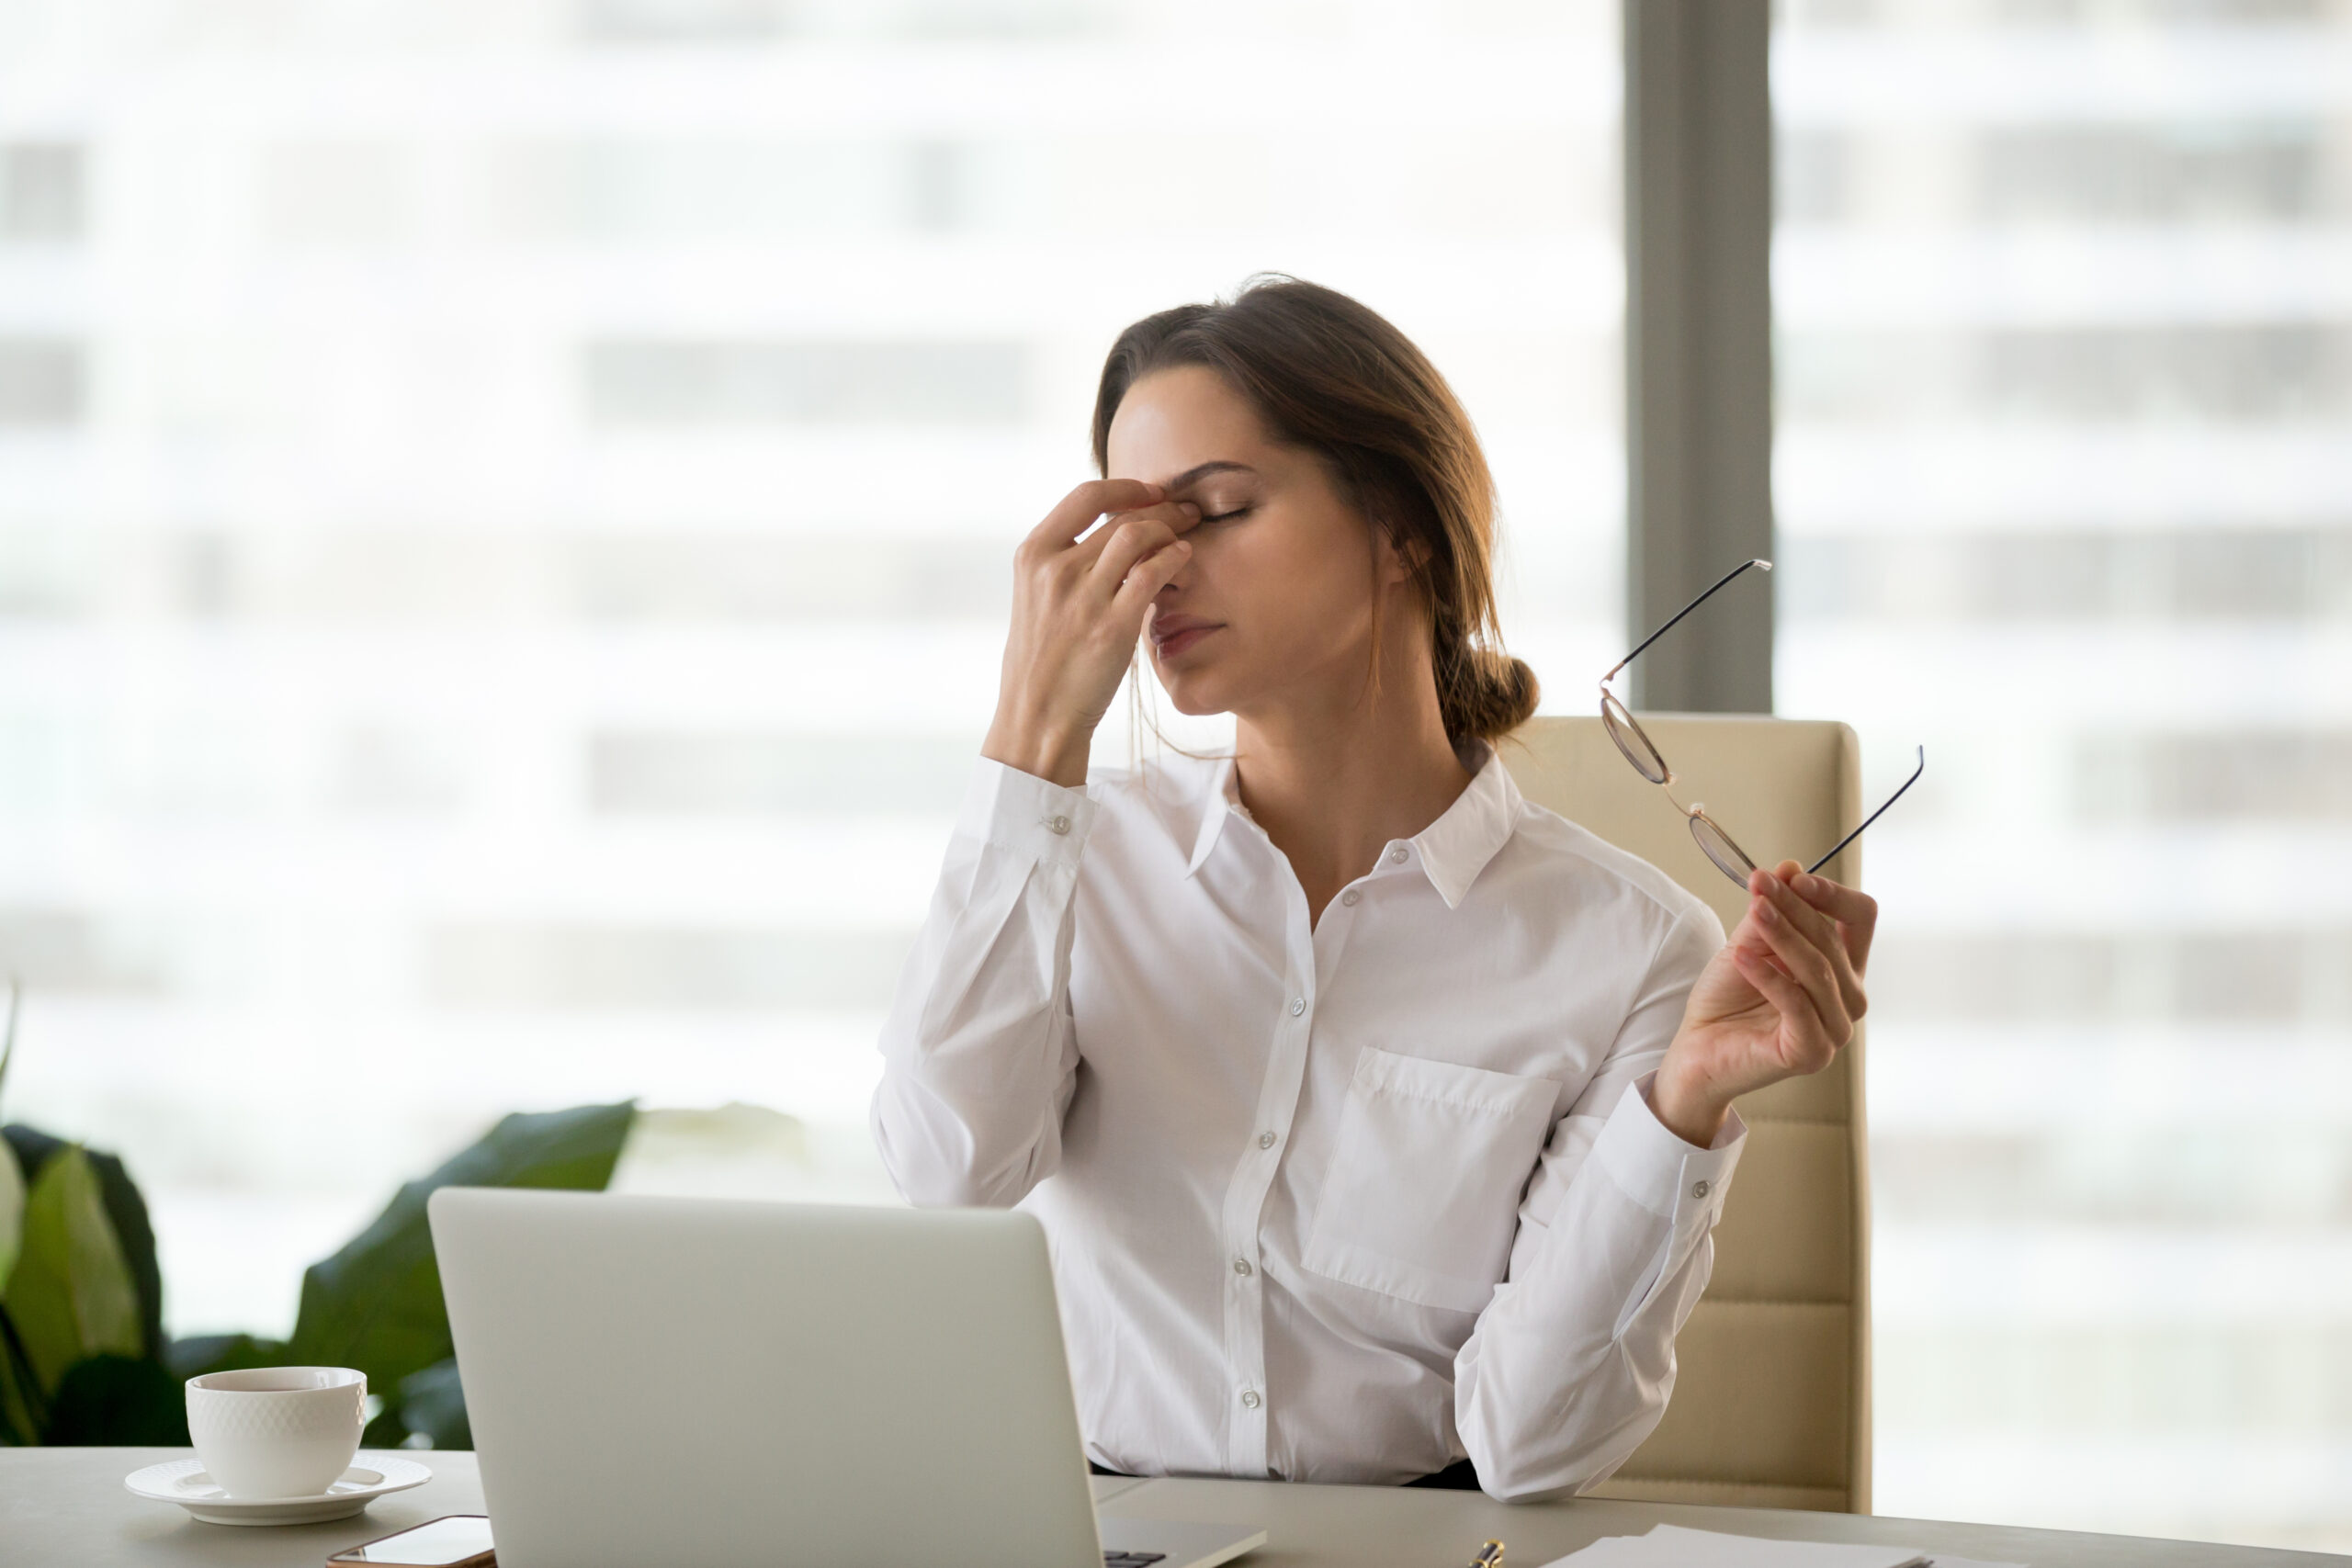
<point>1395,562</point>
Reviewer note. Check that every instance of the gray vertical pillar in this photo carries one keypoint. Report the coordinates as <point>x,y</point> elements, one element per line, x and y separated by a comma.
<point>1699,348</point>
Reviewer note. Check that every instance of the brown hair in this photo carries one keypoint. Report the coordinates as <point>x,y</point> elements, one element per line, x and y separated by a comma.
<point>1337,379</point>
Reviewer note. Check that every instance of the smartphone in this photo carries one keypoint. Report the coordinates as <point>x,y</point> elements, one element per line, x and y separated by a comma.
<point>455,1541</point>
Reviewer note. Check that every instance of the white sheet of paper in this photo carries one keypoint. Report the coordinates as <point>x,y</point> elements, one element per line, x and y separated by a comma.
<point>1671,1546</point>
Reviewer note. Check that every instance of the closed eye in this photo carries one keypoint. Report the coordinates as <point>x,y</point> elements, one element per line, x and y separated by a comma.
<point>1226,516</point>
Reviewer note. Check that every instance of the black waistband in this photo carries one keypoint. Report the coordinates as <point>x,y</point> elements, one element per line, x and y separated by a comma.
<point>1459,1476</point>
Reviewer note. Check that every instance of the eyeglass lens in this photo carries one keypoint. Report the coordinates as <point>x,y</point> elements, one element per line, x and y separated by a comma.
<point>1630,740</point>
<point>1728,857</point>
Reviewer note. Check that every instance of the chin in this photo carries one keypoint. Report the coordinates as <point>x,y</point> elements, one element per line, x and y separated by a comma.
<point>1192,692</point>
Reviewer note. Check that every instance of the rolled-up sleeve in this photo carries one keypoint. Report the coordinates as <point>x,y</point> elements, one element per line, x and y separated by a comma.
<point>1571,1363</point>
<point>979,1054</point>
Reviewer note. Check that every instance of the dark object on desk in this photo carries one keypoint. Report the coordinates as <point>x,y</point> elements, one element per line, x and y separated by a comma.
<point>1459,1476</point>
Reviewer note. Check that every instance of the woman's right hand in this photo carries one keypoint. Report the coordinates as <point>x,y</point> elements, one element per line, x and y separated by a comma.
<point>1079,607</point>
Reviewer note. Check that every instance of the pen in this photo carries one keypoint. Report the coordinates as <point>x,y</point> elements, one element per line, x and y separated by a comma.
<point>1489,1556</point>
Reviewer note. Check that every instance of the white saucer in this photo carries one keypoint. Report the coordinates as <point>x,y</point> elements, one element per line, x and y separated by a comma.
<point>183,1481</point>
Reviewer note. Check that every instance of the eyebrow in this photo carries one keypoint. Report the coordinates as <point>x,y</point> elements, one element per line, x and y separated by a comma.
<point>1202,471</point>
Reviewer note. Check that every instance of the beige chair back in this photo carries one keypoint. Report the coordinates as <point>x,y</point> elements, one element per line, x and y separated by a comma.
<point>1771,1404</point>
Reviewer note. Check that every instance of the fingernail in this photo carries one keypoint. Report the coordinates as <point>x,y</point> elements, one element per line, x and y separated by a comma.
<point>1805,881</point>
<point>1190,508</point>
<point>1771,915</point>
<point>1184,545</point>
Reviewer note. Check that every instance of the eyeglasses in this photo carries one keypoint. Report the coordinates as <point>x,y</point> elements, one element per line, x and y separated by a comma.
<point>1643,752</point>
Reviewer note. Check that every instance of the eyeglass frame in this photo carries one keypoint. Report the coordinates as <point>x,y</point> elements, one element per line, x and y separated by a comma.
<point>1617,720</point>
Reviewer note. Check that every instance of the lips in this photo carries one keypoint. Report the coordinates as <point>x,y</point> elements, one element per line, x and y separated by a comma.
<point>1171,635</point>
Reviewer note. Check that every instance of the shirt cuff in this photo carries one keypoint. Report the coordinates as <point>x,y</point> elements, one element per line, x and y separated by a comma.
<point>1026,814</point>
<point>1671,1179</point>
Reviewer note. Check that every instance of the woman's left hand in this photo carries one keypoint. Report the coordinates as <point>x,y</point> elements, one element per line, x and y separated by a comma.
<point>1781,999</point>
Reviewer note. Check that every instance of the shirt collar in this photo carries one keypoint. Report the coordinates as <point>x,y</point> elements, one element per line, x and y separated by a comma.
<point>1456,847</point>
<point>1220,800</point>
<point>1453,850</point>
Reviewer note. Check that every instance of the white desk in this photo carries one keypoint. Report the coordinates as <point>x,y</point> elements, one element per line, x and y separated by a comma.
<point>66,1507</point>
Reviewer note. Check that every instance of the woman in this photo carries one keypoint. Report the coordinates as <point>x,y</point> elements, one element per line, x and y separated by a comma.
<point>1377,1117</point>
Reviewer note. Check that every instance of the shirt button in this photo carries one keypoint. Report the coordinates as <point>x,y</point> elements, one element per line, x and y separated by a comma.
<point>1241,1267</point>
<point>1265,1140</point>
<point>1350,898</point>
<point>1700,1189</point>
<point>1396,855</point>
<point>1250,1400</point>
<point>1298,1006</point>
<point>1058,824</point>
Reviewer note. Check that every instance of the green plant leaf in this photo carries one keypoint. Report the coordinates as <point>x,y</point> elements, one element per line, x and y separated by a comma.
<point>192,1358</point>
<point>20,1422</point>
<point>433,1403</point>
<point>23,1411</point>
<point>71,1294</point>
<point>126,1210</point>
<point>12,1211</point>
<point>376,1305</point>
<point>117,1401</point>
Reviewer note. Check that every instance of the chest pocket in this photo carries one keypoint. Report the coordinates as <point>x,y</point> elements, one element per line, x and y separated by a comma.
<point>1422,1196</point>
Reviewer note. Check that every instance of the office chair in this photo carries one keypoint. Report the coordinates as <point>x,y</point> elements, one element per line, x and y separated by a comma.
<point>1772,1405</point>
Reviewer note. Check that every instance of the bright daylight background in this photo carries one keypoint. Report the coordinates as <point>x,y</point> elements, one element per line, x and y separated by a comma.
<point>2064,486</point>
<point>504,518</point>
<point>506,510</point>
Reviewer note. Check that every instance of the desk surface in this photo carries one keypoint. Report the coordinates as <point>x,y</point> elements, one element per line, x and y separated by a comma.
<point>67,1506</point>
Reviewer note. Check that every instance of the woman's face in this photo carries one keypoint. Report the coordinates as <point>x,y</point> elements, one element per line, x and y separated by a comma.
<point>1276,602</point>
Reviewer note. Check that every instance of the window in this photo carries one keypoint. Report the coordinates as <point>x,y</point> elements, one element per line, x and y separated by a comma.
<point>505,517</point>
<point>2064,400</point>
<point>41,191</point>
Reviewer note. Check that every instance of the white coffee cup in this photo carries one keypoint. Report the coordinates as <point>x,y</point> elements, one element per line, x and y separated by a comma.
<point>277,1431</point>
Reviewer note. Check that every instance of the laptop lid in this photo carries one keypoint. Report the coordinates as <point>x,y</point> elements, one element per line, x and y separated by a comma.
<point>710,1383</point>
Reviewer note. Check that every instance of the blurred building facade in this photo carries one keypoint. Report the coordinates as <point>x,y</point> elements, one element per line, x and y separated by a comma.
<point>506,510</point>
<point>2063,474</point>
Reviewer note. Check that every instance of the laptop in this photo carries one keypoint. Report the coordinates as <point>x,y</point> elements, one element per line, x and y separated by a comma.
<point>709,1384</point>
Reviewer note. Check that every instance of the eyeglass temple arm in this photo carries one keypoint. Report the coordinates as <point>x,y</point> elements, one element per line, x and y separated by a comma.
<point>1873,816</point>
<point>1682,612</point>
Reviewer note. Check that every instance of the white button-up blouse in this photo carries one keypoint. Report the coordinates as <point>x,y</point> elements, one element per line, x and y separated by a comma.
<point>1344,1203</point>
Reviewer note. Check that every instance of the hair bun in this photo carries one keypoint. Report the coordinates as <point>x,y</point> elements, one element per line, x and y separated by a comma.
<point>1484,693</point>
